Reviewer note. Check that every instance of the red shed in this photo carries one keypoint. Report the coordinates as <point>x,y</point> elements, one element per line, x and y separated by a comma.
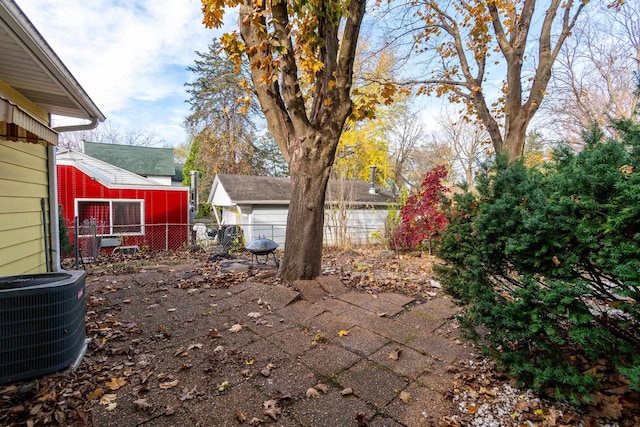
<point>125,207</point>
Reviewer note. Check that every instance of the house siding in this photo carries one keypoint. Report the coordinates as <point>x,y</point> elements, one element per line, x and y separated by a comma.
<point>230,215</point>
<point>260,206</point>
<point>166,209</point>
<point>24,181</point>
<point>270,222</point>
<point>362,225</point>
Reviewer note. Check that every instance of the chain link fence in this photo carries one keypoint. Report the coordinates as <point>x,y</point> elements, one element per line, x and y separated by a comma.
<point>87,239</point>
<point>87,242</point>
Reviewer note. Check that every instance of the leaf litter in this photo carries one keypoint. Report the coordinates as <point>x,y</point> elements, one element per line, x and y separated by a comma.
<point>129,323</point>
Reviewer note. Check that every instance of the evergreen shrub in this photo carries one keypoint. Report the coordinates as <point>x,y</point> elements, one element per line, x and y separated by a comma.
<point>547,262</point>
<point>66,246</point>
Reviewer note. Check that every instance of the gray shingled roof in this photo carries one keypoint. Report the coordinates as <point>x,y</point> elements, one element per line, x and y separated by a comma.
<point>143,161</point>
<point>262,189</point>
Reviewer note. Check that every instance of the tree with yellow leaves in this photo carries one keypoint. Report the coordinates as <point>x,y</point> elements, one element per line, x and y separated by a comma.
<point>301,56</point>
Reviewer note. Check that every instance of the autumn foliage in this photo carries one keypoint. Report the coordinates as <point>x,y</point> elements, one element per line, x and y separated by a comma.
<point>421,217</point>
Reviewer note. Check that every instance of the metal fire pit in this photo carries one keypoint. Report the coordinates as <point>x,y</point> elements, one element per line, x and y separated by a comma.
<point>262,247</point>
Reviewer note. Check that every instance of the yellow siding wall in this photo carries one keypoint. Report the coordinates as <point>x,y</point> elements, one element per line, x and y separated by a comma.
<point>23,183</point>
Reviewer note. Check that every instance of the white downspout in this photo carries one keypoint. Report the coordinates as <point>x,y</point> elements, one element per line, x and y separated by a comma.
<point>54,229</point>
<point>53,192</point>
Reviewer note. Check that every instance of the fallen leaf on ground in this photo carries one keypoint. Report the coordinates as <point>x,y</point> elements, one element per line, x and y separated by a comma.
<point>224,386</point>
<point>52,397</point>
<point>267,370</point>
<point>405,396</point>
<point>322,387</point>
<point>192,346</point>
<point>18,409</point>
<point>488,392</point>
<point>169,384</point>
<point>346,392</point>
<point>107,399</point>
<point>180,352</point>
<point>312,392</point>
<point>254,315</point>
<point>9,390</point>
<point>235,328</point>
<point>142,405</point>
<point>272,413</point>
<point>116,383</point>
<point>362,419</point>
<point>255,421</point>
<point>240,416</point>
<point>552,418</point>
<point>607,407</point>
<point>320,338</point>
<point>395,354</point>
<point>36,409</point>
<point>281,396</point>
<point>95,394</point>
<point>171,310</point>
<point>271,403</point>
<point>343,333</point>
<point>60,417</point>
<point>82,416</point>
<point>187,394</point>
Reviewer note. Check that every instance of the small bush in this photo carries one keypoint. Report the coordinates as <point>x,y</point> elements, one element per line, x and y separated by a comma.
<point>548,260</point>
<point>421,217</point>
<point>205,211</point>
<point>66,247</point>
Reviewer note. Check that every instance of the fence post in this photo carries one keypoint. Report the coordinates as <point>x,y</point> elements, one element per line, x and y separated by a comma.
<point>166,237</point>
<point>94,239</point>
<point>77,239</point>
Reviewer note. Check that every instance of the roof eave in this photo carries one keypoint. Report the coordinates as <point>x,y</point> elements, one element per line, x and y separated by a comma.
<point>31,39</point>
<point>261,202</point>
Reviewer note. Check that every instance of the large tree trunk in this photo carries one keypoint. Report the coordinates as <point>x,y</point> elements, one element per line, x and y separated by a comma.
<point>305,222</point>
<point>516,124</point>
<point>310,168</point>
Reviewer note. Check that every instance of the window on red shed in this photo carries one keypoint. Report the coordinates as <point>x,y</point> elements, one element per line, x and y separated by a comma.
<point>110,216</point>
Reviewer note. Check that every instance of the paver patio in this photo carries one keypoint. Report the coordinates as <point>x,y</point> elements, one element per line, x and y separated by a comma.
<point>320,331</point>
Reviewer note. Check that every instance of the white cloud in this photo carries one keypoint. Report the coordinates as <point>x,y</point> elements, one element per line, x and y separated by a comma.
<point>127,54</point>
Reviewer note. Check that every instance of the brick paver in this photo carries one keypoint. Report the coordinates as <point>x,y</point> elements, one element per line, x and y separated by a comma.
<point>298,333</point>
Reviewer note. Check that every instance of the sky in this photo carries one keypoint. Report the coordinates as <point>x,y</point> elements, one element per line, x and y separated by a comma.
<point>130,56</point>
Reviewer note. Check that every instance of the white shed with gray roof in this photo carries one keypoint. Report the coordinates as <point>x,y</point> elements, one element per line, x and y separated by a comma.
<point>260,204</point>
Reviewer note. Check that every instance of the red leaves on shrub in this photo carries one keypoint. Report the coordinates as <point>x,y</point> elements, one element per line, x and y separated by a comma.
<point>421,218</point>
